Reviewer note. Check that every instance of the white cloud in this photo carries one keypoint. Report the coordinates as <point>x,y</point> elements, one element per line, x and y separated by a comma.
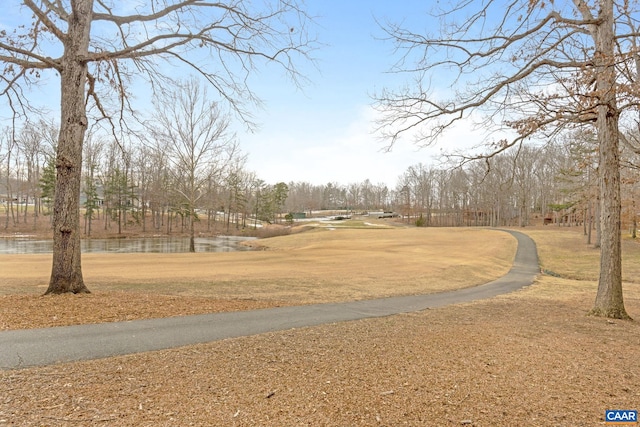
<point>304,152</point>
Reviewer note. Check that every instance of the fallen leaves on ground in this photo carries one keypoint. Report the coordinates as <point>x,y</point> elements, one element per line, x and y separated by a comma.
<point>520,359</point>
<point>40,311</point>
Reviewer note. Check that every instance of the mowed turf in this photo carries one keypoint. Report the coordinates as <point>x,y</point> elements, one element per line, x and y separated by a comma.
<point>314,266</point>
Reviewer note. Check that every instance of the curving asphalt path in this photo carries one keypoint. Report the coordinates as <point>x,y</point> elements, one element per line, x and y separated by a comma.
<point>39,347</point>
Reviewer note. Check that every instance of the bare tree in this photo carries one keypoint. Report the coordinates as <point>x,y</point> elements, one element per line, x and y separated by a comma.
<point>196,134</point>
<point>102,45</point>
<point>7,137</point>
<point>420,180</point>
<point>91,154</point>
<point>536,68</point>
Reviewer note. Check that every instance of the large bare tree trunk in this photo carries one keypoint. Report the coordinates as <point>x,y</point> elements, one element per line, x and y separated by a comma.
<point>609,301</point>
<point>66,271</point>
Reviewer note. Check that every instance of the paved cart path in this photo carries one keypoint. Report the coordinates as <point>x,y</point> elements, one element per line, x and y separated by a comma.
<point>39,347</point>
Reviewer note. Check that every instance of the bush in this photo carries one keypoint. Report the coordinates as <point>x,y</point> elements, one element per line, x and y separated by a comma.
<point>289,218</point>
<point>421,221</point>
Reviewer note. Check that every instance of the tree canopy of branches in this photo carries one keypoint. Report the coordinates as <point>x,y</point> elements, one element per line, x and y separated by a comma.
<point>194,132</point>
<point>99,48</point>
<point>533,69</point>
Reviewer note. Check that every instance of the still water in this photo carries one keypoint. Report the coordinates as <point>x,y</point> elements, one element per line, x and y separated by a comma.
<point>138,245</point>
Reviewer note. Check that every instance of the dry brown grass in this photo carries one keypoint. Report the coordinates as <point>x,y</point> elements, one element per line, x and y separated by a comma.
<point>310,267</point>
<point>352,262</point>
<point>530,358</point>
<point>564,250</point>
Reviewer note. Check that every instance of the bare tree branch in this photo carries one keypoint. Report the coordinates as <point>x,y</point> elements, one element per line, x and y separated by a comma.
<point>541,68</point>
<point>42,16</point>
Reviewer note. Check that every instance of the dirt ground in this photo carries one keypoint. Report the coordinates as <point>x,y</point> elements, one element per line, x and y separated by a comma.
<point>530,358</point>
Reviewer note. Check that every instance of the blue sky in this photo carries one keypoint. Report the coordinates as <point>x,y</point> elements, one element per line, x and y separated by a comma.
<point>322,132</point>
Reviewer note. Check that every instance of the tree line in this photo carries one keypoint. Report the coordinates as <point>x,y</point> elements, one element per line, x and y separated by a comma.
<point>554,183</point>
<point>161,187</point>
<point>151,185</point>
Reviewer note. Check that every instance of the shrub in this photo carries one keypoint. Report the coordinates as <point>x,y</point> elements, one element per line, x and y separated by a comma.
<point>289,218</point>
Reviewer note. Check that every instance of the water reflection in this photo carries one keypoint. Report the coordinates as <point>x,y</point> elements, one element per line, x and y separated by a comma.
<point>137,245</point>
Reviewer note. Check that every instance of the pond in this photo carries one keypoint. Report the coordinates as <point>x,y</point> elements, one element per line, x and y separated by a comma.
<point>134,245</point>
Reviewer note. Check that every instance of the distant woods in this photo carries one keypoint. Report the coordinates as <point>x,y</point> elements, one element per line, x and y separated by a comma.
<point>152,185</point>
<point>529,185</point>
<point>158,186</point>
